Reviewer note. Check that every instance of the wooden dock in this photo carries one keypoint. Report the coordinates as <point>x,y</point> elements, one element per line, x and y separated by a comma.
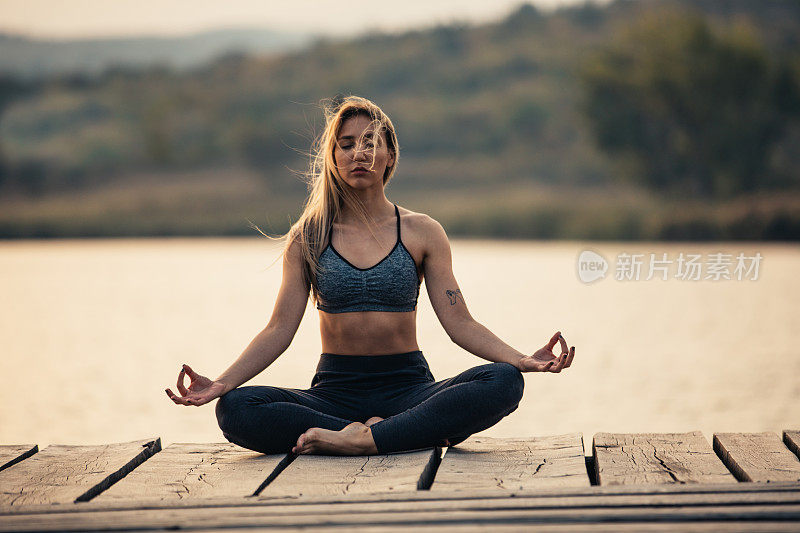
<point>629,482</point>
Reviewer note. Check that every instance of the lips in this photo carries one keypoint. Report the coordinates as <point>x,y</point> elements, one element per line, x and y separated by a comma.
<point>360,169</point>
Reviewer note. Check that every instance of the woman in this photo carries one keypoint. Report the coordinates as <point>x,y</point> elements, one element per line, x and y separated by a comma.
<point>362,259</point>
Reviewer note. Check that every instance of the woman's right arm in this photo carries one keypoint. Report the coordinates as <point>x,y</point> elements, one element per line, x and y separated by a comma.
<point>265,348</point>
<point>276,337</point>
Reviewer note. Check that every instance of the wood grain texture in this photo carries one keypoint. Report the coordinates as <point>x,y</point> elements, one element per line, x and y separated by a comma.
<point>423,516</point>
<point>513,464</point>
<point>195,471</point>
<point>320,474</point>
<point>65,474</point>
<point>791,438</point>
<point>759,457</point>
<point>11,454</point>
<point>647,458</point>
<point>693,493</point>
<point>638,527</point>
<point>538,497</point>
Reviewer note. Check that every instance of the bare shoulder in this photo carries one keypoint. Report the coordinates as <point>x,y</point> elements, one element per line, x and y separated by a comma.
<point>292,251</point>
<point>422,232</point>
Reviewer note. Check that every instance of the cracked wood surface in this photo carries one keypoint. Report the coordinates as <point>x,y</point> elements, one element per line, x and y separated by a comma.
<point>321,475</point>
<point>11,454</point>
<point>195,471</point>
<point>631,458</point>
<point>792,441</point>
<point>64,474</point>
<point>513,464</point>
<point>760,457</point>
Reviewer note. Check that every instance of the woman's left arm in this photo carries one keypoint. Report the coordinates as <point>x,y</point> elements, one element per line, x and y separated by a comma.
<point>451,309</point>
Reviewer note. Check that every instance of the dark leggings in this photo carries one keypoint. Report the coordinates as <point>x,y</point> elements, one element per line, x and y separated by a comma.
<point>418,411</point>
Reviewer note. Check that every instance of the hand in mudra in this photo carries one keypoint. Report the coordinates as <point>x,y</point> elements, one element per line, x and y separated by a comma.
<point>544,360</point>
<point>201,389</point>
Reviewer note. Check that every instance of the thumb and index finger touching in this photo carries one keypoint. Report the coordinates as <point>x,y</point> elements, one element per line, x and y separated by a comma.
<point>184,392</point>
<point>557,338</point>
<point>189,372</point>
<point>567,353</point>
<point>553,340</point>
<point>181,388</point>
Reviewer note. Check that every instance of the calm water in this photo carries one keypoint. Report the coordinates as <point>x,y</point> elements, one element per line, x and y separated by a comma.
<point>91,333</point>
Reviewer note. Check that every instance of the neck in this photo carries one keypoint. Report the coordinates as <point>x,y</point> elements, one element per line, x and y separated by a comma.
<point>375,203</point>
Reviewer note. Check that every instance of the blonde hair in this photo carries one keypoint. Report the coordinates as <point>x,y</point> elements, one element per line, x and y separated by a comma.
<point>327,191</point>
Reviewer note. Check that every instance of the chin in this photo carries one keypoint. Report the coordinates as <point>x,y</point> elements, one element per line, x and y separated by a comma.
<point>361,183</point>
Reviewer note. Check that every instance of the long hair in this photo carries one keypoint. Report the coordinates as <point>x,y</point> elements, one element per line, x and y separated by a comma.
<point>328,193</point>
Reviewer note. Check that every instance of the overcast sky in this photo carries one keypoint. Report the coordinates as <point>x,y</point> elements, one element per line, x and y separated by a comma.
<point>100,18</point>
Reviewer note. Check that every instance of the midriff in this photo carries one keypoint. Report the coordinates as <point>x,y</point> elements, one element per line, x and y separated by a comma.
<point>368,332</point>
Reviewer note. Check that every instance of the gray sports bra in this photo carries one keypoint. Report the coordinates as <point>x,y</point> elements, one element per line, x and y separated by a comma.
<point>390,285</point>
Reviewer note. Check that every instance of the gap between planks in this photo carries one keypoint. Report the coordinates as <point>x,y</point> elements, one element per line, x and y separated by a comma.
<point>13,454</point>
<point>428,475</point>
<point>71,474</point>
<point>309,475</point>
<point>757,457</point>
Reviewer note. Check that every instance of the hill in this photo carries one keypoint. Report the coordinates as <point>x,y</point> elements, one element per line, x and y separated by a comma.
<point>493,140</point>
<point>35,58</point>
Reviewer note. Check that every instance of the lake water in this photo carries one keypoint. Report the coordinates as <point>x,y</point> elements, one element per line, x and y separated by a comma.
<point>92,332</point>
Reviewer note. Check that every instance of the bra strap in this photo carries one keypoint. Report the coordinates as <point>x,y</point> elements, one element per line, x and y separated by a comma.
<point>397,212</point>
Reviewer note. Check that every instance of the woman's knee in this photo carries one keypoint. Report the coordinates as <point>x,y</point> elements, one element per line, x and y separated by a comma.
<point>509,381</point>
<point>235,419</point>
<point>229,408</point>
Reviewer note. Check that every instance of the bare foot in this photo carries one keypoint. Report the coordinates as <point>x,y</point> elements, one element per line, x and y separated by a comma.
<point>354,439</point>
<point>373,420</point>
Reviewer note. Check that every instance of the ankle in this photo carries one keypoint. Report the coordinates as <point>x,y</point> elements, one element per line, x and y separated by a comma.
<point>366,441</point>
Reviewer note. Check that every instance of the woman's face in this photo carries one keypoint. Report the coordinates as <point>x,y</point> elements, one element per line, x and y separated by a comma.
<point>360,163</point>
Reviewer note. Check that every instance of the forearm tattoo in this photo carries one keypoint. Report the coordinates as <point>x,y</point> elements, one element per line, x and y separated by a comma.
<point>454,296</point>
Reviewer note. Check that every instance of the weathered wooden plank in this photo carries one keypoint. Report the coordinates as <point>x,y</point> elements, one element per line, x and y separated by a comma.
<point>320,474</point>
<point>600,527</point>
<point>186,470</point>
<point>759,457</point>
<point>666,506</point>
<point>11,454</point>
<point>693,493</point>
<point>644,458</point>
<point>345,504</point>
<point>66,474</point>
<point>650,527</point>
<point>270,517</point>
<point>792,440</point>
<point>513,464</point>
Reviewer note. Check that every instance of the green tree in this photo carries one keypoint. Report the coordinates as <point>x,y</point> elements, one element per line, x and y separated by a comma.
<point>12,89</point>
<point>692,110</point>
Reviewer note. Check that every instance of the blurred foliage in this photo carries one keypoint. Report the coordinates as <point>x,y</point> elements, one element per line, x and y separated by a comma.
<point>697,112</point>
<point>509,106</point>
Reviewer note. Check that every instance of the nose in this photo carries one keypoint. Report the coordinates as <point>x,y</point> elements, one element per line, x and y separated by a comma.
<point>360,153</point>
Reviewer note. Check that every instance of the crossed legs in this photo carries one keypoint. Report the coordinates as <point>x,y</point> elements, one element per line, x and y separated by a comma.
<point>421,415</point>
<point>270,419</point>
